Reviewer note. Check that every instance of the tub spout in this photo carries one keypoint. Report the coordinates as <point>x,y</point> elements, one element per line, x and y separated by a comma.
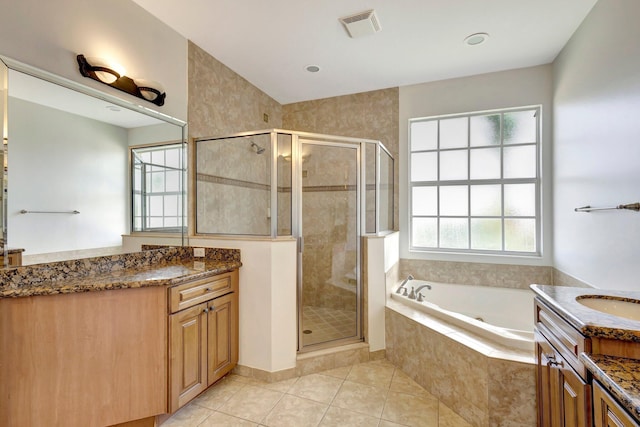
<point>421,287</point>
<point>419,295</point>
<point>404,282</point>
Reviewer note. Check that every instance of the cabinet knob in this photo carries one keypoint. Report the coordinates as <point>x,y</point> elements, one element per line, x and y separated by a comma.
<point>206,310</point>
<point>552,361</point>
<point>207,290</point>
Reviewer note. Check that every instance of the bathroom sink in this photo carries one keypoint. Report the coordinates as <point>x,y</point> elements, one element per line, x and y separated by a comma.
<point>616,306</point>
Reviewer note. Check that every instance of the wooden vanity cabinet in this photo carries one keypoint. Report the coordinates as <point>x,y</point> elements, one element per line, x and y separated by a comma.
<point>203,335</point>
<point>607,412</point>
<point>563,393</point>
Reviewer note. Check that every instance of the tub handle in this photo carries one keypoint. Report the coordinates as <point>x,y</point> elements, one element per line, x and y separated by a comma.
<point>551,360</point>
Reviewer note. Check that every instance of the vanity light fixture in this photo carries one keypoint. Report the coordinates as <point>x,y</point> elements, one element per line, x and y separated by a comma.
<point>105,71</point>
<point>112,75</point>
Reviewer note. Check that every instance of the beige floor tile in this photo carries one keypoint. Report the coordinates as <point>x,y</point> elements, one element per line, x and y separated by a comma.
<point>372,373</point>
<point>402,383</point>
<point>251,403</point>
<point>293,411</point>
<point>385,423</point>
<point>189,416</point>
<point>218,419</point>
<point>281,386</point>
<point>338,417</point>
<point>361,398</point>
<point>448,418</point>
<point>411,410</point>
<point>320,388</point>
<point>216,396</point>
<point>338,372</point>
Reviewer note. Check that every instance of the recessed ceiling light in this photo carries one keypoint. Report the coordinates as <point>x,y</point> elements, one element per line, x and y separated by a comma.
<point>112,108</point>
<point>312,68</point>
<point>476,39</point>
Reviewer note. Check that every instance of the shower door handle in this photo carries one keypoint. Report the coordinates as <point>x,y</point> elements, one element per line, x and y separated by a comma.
<point>300,244</point>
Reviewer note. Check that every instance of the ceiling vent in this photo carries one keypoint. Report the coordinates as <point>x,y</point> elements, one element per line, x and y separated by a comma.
<point>361,24</point>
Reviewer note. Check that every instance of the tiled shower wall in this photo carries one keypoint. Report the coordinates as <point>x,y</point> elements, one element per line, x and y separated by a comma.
<point>221,102</point>
<point>369,115</point>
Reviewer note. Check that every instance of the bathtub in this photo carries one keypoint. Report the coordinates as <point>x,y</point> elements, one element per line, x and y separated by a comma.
<point>502,315</point>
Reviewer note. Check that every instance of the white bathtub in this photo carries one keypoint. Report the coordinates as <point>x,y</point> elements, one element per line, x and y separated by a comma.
<point>503,315</point>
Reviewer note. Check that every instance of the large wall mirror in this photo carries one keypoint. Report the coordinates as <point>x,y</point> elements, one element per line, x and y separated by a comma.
<point>67,190</point>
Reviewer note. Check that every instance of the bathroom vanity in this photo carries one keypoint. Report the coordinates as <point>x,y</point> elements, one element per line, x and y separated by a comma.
<point>588,357</point>
<point>115,340</point>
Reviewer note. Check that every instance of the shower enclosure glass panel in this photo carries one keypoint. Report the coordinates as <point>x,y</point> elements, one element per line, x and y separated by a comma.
<point>386,204</point>
<point>284,177</point>
<point>329,273</point>
<point>233,185</point>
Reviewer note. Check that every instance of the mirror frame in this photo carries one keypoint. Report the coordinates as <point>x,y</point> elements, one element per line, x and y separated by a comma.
<point>14,65</point>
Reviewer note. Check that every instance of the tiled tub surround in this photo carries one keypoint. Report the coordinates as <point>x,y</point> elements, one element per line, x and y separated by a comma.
<point>619,375</point>
<point>472,273</point>
<point>485,274</point>
<point>483,382</point>
<point>157,267</point>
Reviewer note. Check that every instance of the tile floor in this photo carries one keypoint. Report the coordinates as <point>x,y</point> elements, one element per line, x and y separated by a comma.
<point>367,394</point>
<point>326,324</point>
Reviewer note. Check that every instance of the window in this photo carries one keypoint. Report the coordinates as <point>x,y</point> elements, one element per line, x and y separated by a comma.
<point>474,182</point>
<point>157,184</point>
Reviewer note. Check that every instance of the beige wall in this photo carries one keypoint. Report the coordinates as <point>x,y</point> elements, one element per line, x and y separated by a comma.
<point>596,149</point>
<point>504,89</point>
<point>370,115</point>
<point>221,102</point>
<point>50,34</point>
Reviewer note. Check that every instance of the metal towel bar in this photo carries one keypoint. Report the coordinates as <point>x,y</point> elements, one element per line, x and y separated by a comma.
<point>630,207</point>
<point>74,212</point>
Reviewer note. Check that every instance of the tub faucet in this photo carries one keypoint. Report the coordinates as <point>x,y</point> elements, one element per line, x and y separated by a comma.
<point>420,297</point>
<point>404,282</point>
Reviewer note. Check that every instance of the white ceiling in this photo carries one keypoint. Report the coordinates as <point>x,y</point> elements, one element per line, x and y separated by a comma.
<point>271,42</point>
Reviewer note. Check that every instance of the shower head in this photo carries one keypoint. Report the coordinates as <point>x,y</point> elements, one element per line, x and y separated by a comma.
<point>259,149</point>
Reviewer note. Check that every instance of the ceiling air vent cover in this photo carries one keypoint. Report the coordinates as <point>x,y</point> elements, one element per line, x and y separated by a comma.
<point>361,24</point>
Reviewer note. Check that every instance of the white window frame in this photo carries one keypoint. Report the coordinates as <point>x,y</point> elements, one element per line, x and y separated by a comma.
<point>537,252</point>
<point>181,193</point>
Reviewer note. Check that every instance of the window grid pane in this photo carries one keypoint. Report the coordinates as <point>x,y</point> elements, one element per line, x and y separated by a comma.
<point>157,181</point>
<point>478,190</point>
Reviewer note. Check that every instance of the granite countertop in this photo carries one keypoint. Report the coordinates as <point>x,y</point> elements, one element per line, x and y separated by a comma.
<point>591,323</point>
<point>160,267</point>
<point>618,375</point>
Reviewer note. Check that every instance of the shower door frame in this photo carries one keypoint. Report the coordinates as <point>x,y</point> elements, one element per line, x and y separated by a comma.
<point>317,139</point>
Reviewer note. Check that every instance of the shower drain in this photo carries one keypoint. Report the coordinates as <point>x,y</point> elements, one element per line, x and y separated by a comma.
<point>307,331</point>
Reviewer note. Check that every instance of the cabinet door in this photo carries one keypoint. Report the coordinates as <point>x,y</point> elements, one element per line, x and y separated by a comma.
<point>607,412</point>
<point>547,384</point>
<point>564,399</point>
<point>188,355</point>
<point>222,336</point>
<point>576,398</point>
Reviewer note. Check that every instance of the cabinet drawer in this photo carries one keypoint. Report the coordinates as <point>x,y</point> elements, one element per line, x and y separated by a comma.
<point>198,291</point>
<point>567,340</point>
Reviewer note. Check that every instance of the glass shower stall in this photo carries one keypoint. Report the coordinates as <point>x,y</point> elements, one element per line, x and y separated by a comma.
<point>325,191</point>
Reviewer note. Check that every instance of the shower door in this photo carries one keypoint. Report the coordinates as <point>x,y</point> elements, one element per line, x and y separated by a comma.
<point>329,283</point>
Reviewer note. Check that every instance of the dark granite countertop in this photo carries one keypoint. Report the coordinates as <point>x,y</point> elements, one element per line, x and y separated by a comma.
<point>591,323</point>
<point>620,376</point>
<point>158,267</point>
